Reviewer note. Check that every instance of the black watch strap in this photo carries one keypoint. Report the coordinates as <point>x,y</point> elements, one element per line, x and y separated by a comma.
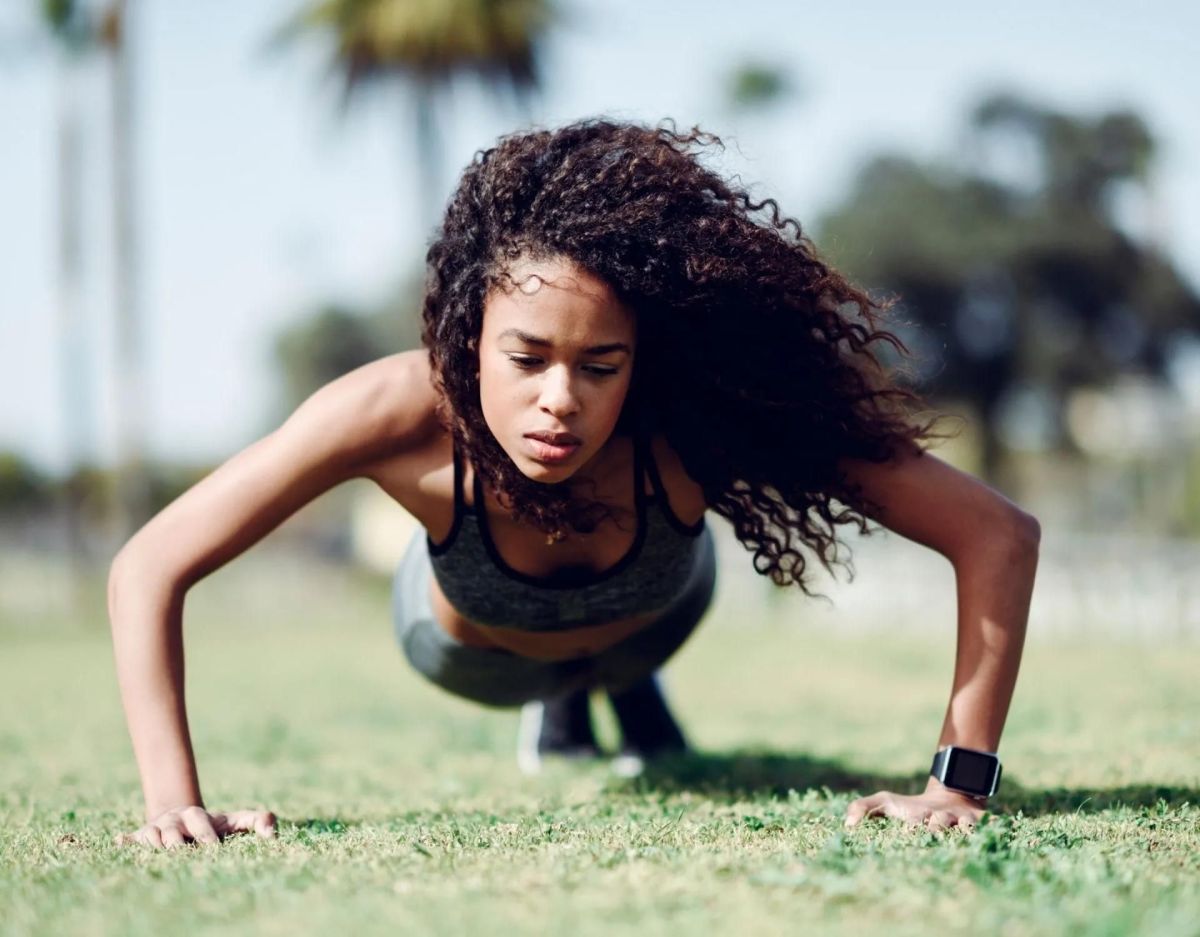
<point>967,770</point>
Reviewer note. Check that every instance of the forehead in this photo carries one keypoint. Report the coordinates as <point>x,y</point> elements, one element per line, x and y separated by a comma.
<point>558,300</point>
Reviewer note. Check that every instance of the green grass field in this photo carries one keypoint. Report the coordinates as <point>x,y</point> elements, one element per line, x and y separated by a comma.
<point>401,809</point>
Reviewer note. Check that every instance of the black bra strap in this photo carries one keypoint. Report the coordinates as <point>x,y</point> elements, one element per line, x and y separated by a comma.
<point>437,549</point>
<point>645,455</point>
<point>664,502</point>
<point>460,503</point>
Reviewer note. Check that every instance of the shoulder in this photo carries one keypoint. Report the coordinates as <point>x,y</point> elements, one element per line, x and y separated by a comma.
<point>381,409</point>
<point>331,436</point>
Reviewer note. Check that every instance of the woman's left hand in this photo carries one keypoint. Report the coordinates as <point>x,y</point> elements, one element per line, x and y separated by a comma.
<point>937,807</point>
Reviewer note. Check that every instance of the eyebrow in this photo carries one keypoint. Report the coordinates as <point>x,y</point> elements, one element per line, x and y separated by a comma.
<point>546,343</point>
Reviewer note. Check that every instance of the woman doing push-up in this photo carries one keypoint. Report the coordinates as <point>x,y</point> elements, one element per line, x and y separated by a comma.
<point>619,344</point>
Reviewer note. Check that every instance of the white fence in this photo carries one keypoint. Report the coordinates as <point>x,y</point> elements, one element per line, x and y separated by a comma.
<point>1122,587</point>
<point>1087,586</point>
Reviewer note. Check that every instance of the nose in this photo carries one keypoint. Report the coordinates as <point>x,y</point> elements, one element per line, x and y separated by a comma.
<point>558,396</point>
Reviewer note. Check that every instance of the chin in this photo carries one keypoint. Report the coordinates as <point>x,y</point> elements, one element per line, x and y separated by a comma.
<point>540,472</point>
<point>546,474</point>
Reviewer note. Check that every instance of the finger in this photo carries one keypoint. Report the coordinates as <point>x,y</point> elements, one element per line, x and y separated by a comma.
<point>264,824</point>
<point>151,836</point>
<point>172,836</point>
<point>942,820</point>
<point>236,821</point>
<point>915,816</point>
<point>261,822</point>
<point>885,804</point>
<point>862,808</point>
<point>966,824</point>
<point>198,825</point>
<point>857,810</point>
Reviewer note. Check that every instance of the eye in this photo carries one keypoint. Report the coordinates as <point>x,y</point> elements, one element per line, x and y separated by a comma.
<point>527,363</point>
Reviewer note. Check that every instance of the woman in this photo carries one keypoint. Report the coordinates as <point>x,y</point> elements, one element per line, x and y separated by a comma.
<point>617,341</point>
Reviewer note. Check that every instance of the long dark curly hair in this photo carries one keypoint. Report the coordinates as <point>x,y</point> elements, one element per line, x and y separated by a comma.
<point>755,358</point>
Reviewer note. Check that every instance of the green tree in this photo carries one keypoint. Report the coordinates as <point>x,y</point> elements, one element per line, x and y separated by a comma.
<point>336,339</point>
<point>1027,282</point>
<point>753,86</point>
<point>425,45</point>
<point>22,487</point>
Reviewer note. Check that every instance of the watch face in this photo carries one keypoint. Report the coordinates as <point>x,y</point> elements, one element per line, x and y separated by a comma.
<point>971,771</point>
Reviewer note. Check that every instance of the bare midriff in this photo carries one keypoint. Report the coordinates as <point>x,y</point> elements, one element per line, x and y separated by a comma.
<point>539,645</point>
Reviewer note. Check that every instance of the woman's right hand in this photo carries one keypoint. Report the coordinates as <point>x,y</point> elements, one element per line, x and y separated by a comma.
<point>194,824</point>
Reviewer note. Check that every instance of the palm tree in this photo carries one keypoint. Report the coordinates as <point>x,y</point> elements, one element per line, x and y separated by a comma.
<point>132,482</point>
<point>81,29</point>
<point>426,44</point>
<point>73,39</point>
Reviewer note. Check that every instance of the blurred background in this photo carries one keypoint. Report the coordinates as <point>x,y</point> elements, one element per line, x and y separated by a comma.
<point>209,210</point>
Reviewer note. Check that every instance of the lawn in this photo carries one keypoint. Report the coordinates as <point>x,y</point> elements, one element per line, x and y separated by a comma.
<point>401,809</point>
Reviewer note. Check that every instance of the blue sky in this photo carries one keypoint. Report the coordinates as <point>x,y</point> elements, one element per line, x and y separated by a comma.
<point>257,201</point>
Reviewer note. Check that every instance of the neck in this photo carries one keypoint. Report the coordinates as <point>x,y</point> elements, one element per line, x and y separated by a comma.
<point>613,458</point>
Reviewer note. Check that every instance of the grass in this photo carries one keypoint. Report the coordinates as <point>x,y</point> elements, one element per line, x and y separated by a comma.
<point>401,809</point>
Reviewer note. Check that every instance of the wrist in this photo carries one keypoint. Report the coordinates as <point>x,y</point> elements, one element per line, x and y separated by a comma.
<point>161,805</point>
<point>934,786</point>
<point>169,788</point>
<point>970,772</point>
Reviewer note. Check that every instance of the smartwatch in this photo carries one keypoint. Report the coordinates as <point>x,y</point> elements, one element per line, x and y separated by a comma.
<point>967,770</point>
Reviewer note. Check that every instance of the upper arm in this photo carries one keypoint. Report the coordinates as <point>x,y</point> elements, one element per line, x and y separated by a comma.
<point>384,406</point>
<point>931,502</point>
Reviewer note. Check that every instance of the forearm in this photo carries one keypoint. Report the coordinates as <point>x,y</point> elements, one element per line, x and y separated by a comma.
<point>146,616</point>
<point>992,545</point>
<point>995,583</point>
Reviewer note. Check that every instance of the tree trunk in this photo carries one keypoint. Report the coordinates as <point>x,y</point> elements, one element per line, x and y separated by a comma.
<point>429,157</point>
<point>130,397</point>
<point>74,371</point>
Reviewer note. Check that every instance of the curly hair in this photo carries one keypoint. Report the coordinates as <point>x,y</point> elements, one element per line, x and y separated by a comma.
<point>754,356</point>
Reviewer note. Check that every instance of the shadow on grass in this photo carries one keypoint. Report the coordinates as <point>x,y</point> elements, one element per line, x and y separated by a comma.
<point>742,773</point>
<point>725,776</point>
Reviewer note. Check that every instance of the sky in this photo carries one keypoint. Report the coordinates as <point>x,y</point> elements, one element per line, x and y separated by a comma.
<point>258,200</point>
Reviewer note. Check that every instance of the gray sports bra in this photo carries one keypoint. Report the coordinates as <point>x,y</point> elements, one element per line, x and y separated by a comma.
<point>649,578</point>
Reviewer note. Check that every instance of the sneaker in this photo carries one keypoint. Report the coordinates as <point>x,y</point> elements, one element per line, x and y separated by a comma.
<point>648,729</point>
<point>559,728</point>
<point>627,765</point>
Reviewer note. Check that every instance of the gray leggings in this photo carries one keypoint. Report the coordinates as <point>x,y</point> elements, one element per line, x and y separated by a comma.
<point>497,677</point>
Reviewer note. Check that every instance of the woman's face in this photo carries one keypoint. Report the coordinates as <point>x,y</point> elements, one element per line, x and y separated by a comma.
<point>555,361</point>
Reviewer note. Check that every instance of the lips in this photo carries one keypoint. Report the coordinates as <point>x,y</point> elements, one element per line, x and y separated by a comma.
<point>552,448</point>
<point>557,439</point>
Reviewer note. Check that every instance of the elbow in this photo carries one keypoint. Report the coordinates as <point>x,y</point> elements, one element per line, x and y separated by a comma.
<point>1017,541</point>
<point>134,572</point>
<point>120,572</point>
<point>1026,532</point>
<point>1009,538</point>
